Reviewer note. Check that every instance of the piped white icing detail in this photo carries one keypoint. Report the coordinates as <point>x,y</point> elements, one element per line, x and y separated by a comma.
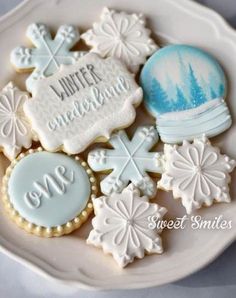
<point>57,182</point>
<point>48,54</point>
<point>88,100</point>
<point>197,173</point>
<point>15,130</point>
<point>121,225</point>
<point>130,160</point>
<point>123,36</point>
<point>192,113</point>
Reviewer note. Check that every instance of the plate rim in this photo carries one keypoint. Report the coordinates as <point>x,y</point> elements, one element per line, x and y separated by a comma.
<point>222,25</point>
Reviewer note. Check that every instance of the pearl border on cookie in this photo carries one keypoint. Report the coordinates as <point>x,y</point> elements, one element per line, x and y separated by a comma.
<point>29,227</point>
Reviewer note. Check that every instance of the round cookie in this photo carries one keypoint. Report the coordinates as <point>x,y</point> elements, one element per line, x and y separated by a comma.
<point>48,194</point>
<point>184,88</point>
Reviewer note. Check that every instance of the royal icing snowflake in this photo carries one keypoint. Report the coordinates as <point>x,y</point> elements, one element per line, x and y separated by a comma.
<point>123,36</point>
<point>48,54</point>
<point>15,130</point>
<point>130,160</point>
<point>121,225</point>
<point>197,173</point>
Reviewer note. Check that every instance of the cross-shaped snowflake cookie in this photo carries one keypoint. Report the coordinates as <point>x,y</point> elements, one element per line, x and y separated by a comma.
<point>197,173</point>
<point>15,129</point>
<point>130,160</point>
<point>123,36</point>
<point>48,54</point>
<point>121,225</point>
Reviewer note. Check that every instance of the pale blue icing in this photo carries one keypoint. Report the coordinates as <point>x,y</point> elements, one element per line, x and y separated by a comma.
<point>130,161</point>
<point>181,79</point>
<point>65,197</point>
<point>211,122</point>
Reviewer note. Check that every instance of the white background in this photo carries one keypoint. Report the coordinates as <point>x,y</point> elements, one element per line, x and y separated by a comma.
<point>218,280</point>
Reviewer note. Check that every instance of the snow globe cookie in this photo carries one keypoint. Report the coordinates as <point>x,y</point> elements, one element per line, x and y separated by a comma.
<point>184,88</point>
<point>48,54</point>
<point>48,194</point>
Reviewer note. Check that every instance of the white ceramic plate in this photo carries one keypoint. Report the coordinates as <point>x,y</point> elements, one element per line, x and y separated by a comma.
<point>69,259</point>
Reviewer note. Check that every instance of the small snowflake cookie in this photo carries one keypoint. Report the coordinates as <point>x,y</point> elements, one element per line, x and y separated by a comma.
<point>197,173</point>
<point>88,100</point>
<point>15,129</point>
<point>48,54</point>
<point>123,36</point>
<point>121,225</point>
<point>130,160</point>
<point>48,194</point>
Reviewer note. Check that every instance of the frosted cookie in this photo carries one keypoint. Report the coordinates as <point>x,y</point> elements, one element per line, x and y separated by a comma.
<point>123,36</point>
<point>48,54</point>
<point>121,226</point>
<point>184,88</point>
<point>48,194</point>
<point>82,102</point>
<point>129,160</point>
<point>15,129</point>
<point>197,173</point>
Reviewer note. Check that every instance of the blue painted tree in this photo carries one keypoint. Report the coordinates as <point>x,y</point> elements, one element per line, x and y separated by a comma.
<point>206,87</point>
<point>221,90</point>
<point>159,99</point>
<point>197,95</point>
<point>213,94</point>
<point>181,103</point>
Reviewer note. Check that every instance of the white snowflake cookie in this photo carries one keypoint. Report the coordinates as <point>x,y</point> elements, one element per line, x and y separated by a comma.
<point>130,160</point>
<point>121,225</point>
<point>197,173</point>
<point>123,36</point>
<point>48,54</point>
<point>15,129</point>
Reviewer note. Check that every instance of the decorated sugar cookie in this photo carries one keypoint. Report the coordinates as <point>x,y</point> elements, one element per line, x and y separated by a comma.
<point>184,88</point>
<point>48,194</point>
<point>197,173</point>
<point>15,130</point>
<point>82,102</point>
<point>48,54</point>
<point>121,226</point>
<point>123,36</point>
<point>129,160</point>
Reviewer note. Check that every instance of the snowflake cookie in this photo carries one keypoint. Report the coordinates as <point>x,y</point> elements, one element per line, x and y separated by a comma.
<point>130,160</point>
<point>15,130</point>
<point>197,173</point>
<point>123,36</point>
<point>49,53</point>
<point>121,225</point>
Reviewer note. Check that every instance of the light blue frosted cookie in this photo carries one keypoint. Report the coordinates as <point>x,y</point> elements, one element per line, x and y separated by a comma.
<point>184,88</point>
<point>48,194</point>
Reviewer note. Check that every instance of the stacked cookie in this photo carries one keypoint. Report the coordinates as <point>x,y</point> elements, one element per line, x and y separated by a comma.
<point>82,98</point>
